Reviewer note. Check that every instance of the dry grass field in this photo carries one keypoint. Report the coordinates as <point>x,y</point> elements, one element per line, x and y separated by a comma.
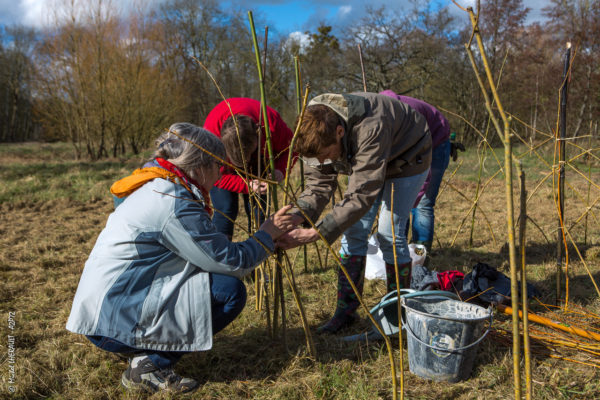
<point>53,207</point>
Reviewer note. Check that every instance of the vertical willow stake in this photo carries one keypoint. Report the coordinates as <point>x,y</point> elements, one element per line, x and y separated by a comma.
<point>398,297</point>
<point>290,268</point>
<point>589,188</point>
<point>507,139</point>
<point>258,287</point>
<point>561,242</point>
<point>278,276</point>
<point>481,157</point>
<point>298,110</point>
<point>524,301</point>
<point>362,68</point>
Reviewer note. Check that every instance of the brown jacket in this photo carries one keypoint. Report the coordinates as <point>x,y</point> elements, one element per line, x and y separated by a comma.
<point>384,139</point>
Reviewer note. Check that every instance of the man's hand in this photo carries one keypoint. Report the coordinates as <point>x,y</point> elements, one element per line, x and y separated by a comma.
<point>454,147</point>
<point>297,237</point>
<point>279,223</point>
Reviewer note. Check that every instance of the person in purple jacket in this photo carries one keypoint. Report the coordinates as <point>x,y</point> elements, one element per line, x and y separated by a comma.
<point>423,213</point>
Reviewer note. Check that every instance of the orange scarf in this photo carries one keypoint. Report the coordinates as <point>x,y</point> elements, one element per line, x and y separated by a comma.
<point>125,186</point>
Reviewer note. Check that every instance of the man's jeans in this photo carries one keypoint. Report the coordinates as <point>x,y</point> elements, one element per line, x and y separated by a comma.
<point>228,203</point>
<point>355,239</point>
<point>228,298</point>
<point>423,214</point>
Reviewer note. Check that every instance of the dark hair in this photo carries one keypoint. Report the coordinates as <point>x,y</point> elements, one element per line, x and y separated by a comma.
<point>185,153</point>
<point>248,138</point>
<point>317,130</point>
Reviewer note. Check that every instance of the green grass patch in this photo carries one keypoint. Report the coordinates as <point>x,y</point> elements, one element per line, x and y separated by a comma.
<point>27,179</point>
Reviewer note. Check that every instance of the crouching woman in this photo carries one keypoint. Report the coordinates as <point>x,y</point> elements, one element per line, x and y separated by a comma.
<point>161,281</point>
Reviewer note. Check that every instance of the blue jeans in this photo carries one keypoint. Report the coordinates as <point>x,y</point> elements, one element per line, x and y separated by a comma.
<point>228,298</point>
<point>355,239</point>
<point>423,214</point>
<point>228,203</point>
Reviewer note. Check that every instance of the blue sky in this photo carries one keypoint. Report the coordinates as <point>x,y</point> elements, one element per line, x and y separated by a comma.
<point>291,16</point>
<point>283,16</point>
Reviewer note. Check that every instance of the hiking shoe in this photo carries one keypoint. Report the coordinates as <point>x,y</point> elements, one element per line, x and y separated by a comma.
<point>143,374</point>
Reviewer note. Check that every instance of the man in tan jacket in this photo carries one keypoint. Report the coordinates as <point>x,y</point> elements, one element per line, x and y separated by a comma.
<point>380,143</point>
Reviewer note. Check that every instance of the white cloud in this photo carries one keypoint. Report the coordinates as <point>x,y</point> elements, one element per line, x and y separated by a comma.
<point>40,13</point>
<point>36,12</point>
<point>344,10</point>
<point>300,38</point>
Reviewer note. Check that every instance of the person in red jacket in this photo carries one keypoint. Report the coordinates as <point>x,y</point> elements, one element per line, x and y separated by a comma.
<point>248,115</point>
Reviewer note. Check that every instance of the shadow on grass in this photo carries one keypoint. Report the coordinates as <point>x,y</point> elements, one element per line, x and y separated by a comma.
<point>255,356</point>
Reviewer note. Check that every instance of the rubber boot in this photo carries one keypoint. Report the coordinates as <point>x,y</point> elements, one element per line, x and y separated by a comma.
<point>347,302</point>
<point>404,271</point>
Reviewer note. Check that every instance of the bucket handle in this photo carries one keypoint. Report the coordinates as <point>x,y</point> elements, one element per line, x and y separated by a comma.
<point>392,297</point>
<point>410,331</point>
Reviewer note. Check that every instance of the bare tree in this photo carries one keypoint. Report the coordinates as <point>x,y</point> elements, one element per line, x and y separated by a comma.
<point>578,21</point>
<point>16,71</point>
<point>101,85</point>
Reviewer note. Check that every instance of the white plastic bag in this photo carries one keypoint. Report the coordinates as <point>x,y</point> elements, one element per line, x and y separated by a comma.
<point>375,268</point>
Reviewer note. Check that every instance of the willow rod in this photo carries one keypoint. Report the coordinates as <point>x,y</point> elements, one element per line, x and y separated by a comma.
<point>293,142</point>
<point>257,287</point>
<point>298,110</point>
<point>561,242</point>
<point>505,134</point>
<point>273,187</point>
<point>398,297</point>
<point>589,159</point>
<point>362,68</point>
<point>289,274</point>
<point>481,156</point>
<point>553,324</point>
<point>522,248</point>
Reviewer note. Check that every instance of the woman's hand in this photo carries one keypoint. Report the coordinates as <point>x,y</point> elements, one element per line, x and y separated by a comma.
<point>259,186</point>
<point>297,237</point>
<point>279,223</point>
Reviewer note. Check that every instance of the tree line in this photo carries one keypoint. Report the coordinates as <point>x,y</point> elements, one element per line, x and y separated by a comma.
<point>109,84</point>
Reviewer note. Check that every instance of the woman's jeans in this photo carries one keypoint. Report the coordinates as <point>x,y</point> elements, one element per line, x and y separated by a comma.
<point>228,203</point>
<point>355,239</point>
<point>423,215</point>
<point>228,298</point>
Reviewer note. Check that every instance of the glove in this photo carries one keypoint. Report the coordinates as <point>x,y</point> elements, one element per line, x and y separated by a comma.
<point>454,147</point>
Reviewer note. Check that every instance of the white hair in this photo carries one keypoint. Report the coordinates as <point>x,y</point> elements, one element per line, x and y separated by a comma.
<point>183,153</point>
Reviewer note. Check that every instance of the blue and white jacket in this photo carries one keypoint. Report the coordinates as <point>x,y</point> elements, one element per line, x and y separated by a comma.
<point>146,282</point>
